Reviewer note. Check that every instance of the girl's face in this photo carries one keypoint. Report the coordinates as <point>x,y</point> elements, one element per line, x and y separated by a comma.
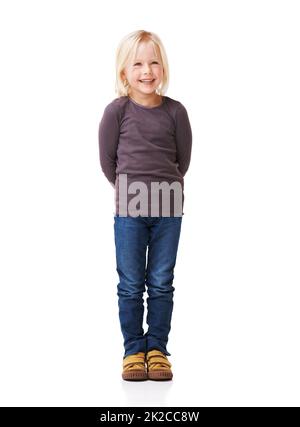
<point>145,72</point>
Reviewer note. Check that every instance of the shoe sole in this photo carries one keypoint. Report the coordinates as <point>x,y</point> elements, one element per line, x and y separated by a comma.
<point>160,376</point>
<point>134,376</point>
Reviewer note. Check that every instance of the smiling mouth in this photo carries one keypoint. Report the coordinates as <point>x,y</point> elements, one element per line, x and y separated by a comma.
<point>147,81</point>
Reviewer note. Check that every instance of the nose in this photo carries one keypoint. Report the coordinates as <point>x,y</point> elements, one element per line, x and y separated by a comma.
<point>146,69</point>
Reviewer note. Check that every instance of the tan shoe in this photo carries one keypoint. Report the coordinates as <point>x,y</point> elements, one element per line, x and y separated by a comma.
<point>134,367</point>
<point>158,366</point>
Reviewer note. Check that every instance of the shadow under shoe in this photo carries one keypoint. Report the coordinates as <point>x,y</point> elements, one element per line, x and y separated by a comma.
<point>158,366</point>
<point>134,367</point>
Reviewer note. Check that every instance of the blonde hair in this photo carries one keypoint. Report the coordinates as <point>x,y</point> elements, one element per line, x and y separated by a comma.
<point>127,49</point>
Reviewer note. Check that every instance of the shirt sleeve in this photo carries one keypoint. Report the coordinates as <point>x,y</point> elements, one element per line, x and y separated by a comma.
<point>183,139</point>
<point>108,137</point>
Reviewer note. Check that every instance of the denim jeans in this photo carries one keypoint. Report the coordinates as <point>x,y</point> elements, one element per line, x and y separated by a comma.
<point>136,268</point>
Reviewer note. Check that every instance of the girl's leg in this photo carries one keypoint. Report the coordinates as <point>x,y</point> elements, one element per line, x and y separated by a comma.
<point>131,238</point>
<point>162,253</point>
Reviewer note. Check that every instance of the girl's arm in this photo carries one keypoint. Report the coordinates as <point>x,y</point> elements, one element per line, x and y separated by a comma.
<point>108,136</point>
<point>183,139</point>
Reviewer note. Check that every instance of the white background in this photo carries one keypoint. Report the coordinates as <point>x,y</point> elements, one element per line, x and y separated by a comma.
<point>235,328</point>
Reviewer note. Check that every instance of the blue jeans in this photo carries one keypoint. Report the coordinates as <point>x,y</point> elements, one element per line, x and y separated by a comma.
<point>132,237</point>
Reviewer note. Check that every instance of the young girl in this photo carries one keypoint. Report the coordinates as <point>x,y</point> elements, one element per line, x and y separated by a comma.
<point>145,143</point>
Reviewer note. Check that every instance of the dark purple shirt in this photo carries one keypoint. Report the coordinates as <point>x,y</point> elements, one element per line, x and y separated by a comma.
<point>145,144</point>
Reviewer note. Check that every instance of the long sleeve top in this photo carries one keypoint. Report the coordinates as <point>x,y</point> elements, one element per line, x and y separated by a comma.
<point>145,153</point>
